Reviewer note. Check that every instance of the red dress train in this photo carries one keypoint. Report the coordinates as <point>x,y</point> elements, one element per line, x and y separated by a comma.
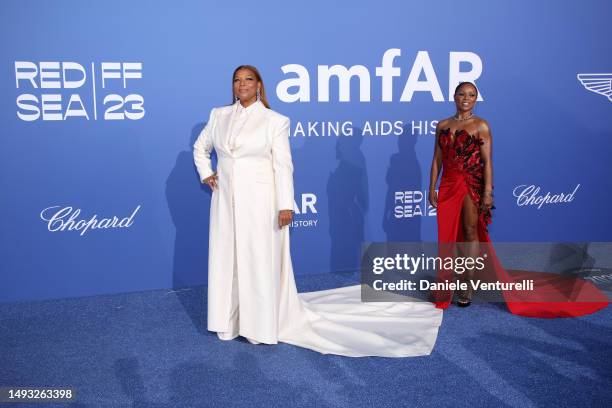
<point>463,174</point>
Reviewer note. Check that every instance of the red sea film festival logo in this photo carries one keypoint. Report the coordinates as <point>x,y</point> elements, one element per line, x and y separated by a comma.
<point>412,203</point>
<point>67,90</point>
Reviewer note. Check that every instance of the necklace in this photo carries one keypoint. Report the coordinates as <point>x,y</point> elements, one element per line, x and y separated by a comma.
<point>457,118</point>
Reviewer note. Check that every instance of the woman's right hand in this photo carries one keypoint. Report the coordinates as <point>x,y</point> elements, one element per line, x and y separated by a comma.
<point>211,181</point>
<point>433,198</point>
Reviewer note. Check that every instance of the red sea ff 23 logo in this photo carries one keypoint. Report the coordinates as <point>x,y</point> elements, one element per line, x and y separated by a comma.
<point>68,90</point>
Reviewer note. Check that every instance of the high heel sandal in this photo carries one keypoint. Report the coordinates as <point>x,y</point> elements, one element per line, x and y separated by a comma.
<point>465,297</point>
<point>464,302</point>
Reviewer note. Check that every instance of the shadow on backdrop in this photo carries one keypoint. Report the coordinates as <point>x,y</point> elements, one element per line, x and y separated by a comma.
<point>348,202</point>
<point>403,174</point>
<point>189,205</point>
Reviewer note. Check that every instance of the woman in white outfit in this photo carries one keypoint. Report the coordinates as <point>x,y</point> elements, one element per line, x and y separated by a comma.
<point>251,289</point>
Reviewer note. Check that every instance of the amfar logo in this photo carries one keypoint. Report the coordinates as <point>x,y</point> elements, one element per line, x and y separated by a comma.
<point>412,203</point>
<point>297,89</point>
<point>598,83</point>
<point>65,90</point>
<point>306,207</point>
<point>67,219</point>
<point>530,195</point>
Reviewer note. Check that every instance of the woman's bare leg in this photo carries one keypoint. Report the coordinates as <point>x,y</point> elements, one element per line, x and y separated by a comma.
<point>469,221</point>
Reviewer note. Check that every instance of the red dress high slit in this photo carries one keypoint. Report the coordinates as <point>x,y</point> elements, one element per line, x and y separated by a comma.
<point>463,174</point>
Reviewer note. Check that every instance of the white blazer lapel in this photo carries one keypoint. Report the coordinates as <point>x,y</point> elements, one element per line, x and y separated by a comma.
<point>224,127</point>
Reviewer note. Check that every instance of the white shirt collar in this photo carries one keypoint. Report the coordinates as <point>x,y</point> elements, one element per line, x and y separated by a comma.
<point>239,108</point>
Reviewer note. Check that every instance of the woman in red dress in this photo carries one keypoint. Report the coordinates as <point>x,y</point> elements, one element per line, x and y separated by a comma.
<point>463,151</point>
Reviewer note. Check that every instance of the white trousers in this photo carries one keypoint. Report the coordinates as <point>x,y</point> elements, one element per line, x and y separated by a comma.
<point>234,323</point>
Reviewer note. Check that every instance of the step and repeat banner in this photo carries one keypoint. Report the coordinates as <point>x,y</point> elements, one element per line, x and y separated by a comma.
<point>101,103</point>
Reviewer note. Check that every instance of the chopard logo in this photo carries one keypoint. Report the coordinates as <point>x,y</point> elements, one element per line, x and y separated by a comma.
<point>67,219</point>
<point>598,83</point>
<point>530,195</point>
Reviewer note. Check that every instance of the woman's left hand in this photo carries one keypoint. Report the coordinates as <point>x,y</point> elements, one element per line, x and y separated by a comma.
<point>284,217</point>
<point>487,202</point>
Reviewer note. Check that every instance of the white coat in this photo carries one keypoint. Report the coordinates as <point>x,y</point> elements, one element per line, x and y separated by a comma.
<point>255,181</point>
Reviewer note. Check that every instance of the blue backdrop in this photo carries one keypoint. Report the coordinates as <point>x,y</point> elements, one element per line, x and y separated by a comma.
<point>101,102</point>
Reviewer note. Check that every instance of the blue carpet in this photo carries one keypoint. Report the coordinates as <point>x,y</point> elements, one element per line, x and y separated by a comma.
<point>151,349</point>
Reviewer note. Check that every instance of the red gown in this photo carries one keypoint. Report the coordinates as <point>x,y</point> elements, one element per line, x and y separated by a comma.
<point>463,174</point>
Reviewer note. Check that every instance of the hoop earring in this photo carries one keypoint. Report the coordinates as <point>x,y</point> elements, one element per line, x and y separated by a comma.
<point>236,99</point>
<point>258,95</point>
